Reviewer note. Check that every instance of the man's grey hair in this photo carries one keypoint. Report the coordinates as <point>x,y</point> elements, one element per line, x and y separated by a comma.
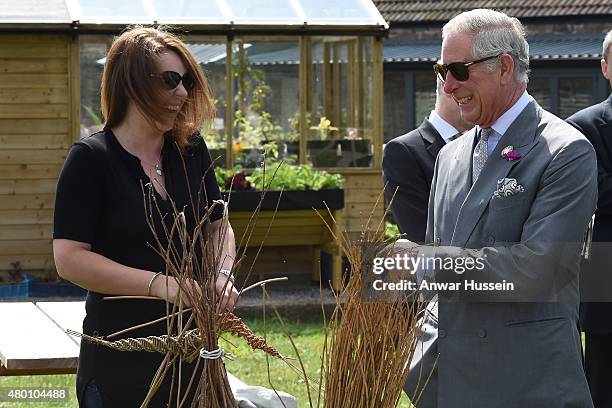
<point>607,45</point>
<point>494,33</point>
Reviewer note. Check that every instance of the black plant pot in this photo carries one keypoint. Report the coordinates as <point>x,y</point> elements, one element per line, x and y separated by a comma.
<point>286,149</point>
<point>340,153</point>
<point>288,200</point>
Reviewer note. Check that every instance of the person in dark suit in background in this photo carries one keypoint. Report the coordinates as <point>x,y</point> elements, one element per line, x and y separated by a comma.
<point>595,122</point>
<point>408,164</point>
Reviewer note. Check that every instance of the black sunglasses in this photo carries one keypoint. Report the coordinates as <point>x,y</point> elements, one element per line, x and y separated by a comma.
<point>172,79</point>
<point>460,70</point>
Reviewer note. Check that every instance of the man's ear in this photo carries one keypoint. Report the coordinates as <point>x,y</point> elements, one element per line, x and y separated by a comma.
<point>506,63</point>
<point>604,68</point>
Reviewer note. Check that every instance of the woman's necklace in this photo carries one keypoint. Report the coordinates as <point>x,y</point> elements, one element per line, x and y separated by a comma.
<point>158,168</point>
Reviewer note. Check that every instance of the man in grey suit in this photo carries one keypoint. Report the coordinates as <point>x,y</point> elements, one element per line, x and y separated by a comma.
<point>514,196</point>
<point>408,163</point>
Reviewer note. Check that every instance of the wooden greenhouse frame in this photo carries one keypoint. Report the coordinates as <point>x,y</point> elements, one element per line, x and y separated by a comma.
<point>40,111</point>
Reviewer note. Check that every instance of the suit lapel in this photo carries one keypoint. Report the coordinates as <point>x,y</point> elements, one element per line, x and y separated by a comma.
<point>433,141</point>
<point>606,126</point>
<point>522,136</point>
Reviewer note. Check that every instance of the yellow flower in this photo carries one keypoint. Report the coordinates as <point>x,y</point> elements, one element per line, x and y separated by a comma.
<point>325,123</point>
<point>238,147</point>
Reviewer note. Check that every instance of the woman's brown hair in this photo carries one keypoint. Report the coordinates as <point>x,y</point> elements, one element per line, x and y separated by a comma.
<point>130,62</point>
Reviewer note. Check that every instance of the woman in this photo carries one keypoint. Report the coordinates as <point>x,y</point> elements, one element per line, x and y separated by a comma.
<point>154,99</point>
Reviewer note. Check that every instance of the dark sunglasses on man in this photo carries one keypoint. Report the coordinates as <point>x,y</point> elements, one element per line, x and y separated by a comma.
<point>172,79</point>
<point>460,70</point>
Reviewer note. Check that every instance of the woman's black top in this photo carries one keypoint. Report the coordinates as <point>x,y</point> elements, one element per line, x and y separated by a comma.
<point>101,201</point>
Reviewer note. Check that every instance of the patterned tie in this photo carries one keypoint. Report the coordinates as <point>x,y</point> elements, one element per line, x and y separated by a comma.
<point>480,153</point>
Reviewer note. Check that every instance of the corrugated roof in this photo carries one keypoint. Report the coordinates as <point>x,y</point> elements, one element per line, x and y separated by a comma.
<point>412,11</point>
<point>541,47</point>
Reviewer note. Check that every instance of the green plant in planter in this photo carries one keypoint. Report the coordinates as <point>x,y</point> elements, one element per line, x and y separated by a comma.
<point>280,175</point>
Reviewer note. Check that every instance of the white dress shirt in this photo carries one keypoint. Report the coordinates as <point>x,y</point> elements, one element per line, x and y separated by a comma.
<point>445,129</point>
<point>502,124</point>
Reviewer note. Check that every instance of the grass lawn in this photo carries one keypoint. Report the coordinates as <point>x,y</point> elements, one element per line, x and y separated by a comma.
<point>41,381</point>
<point>249,366</point>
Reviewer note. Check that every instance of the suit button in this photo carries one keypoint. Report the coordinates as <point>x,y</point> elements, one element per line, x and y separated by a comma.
<point>482,333</point>
<point>438,240</point>
<point>441,333</point>
<point>491,240</point>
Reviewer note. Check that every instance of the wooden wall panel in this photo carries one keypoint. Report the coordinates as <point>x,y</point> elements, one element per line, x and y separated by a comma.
<point>37,116</point>
<point>30,171</point>
<point>363,203</point>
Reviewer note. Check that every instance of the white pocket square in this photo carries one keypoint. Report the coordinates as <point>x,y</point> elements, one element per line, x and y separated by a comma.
<point>507,187</point>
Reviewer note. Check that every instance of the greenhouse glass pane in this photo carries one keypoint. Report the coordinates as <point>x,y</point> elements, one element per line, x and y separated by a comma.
<point>162,11</point>
<point>243,12</point>
<point>115,11</point>
<point>280,12</point>
<point>341,12</point>
<point>93,50</point>
<point>211,55</point>
<point>340,117</point>
<point>194,11</point>
<point>266,100</point>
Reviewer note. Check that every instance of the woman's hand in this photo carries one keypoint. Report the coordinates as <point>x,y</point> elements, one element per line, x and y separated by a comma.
<point>227,295</point>
<point>167,288</point>
<point>226,292</point>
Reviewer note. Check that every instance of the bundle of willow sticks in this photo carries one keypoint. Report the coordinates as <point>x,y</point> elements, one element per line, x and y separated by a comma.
<point>368,344</point>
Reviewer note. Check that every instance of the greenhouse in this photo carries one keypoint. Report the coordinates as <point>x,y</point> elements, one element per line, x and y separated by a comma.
<point>298,79</point>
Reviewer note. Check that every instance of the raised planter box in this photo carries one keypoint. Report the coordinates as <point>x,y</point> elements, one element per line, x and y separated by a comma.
<point>286,200</point>
<point>294,224</point>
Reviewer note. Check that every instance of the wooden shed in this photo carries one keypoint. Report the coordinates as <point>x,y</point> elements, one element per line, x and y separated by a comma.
<point>315,59</point>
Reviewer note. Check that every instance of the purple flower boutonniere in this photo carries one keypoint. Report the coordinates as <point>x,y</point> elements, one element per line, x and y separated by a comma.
<point>510,154</point>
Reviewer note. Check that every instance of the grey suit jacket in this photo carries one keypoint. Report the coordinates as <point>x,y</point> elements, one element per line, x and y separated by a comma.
<point>494,353</point>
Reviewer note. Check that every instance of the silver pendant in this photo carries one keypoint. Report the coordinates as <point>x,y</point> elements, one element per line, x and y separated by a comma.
<point>159,170</point>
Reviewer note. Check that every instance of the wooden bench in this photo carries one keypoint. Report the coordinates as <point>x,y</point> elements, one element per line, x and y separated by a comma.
<point>33,337</point>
